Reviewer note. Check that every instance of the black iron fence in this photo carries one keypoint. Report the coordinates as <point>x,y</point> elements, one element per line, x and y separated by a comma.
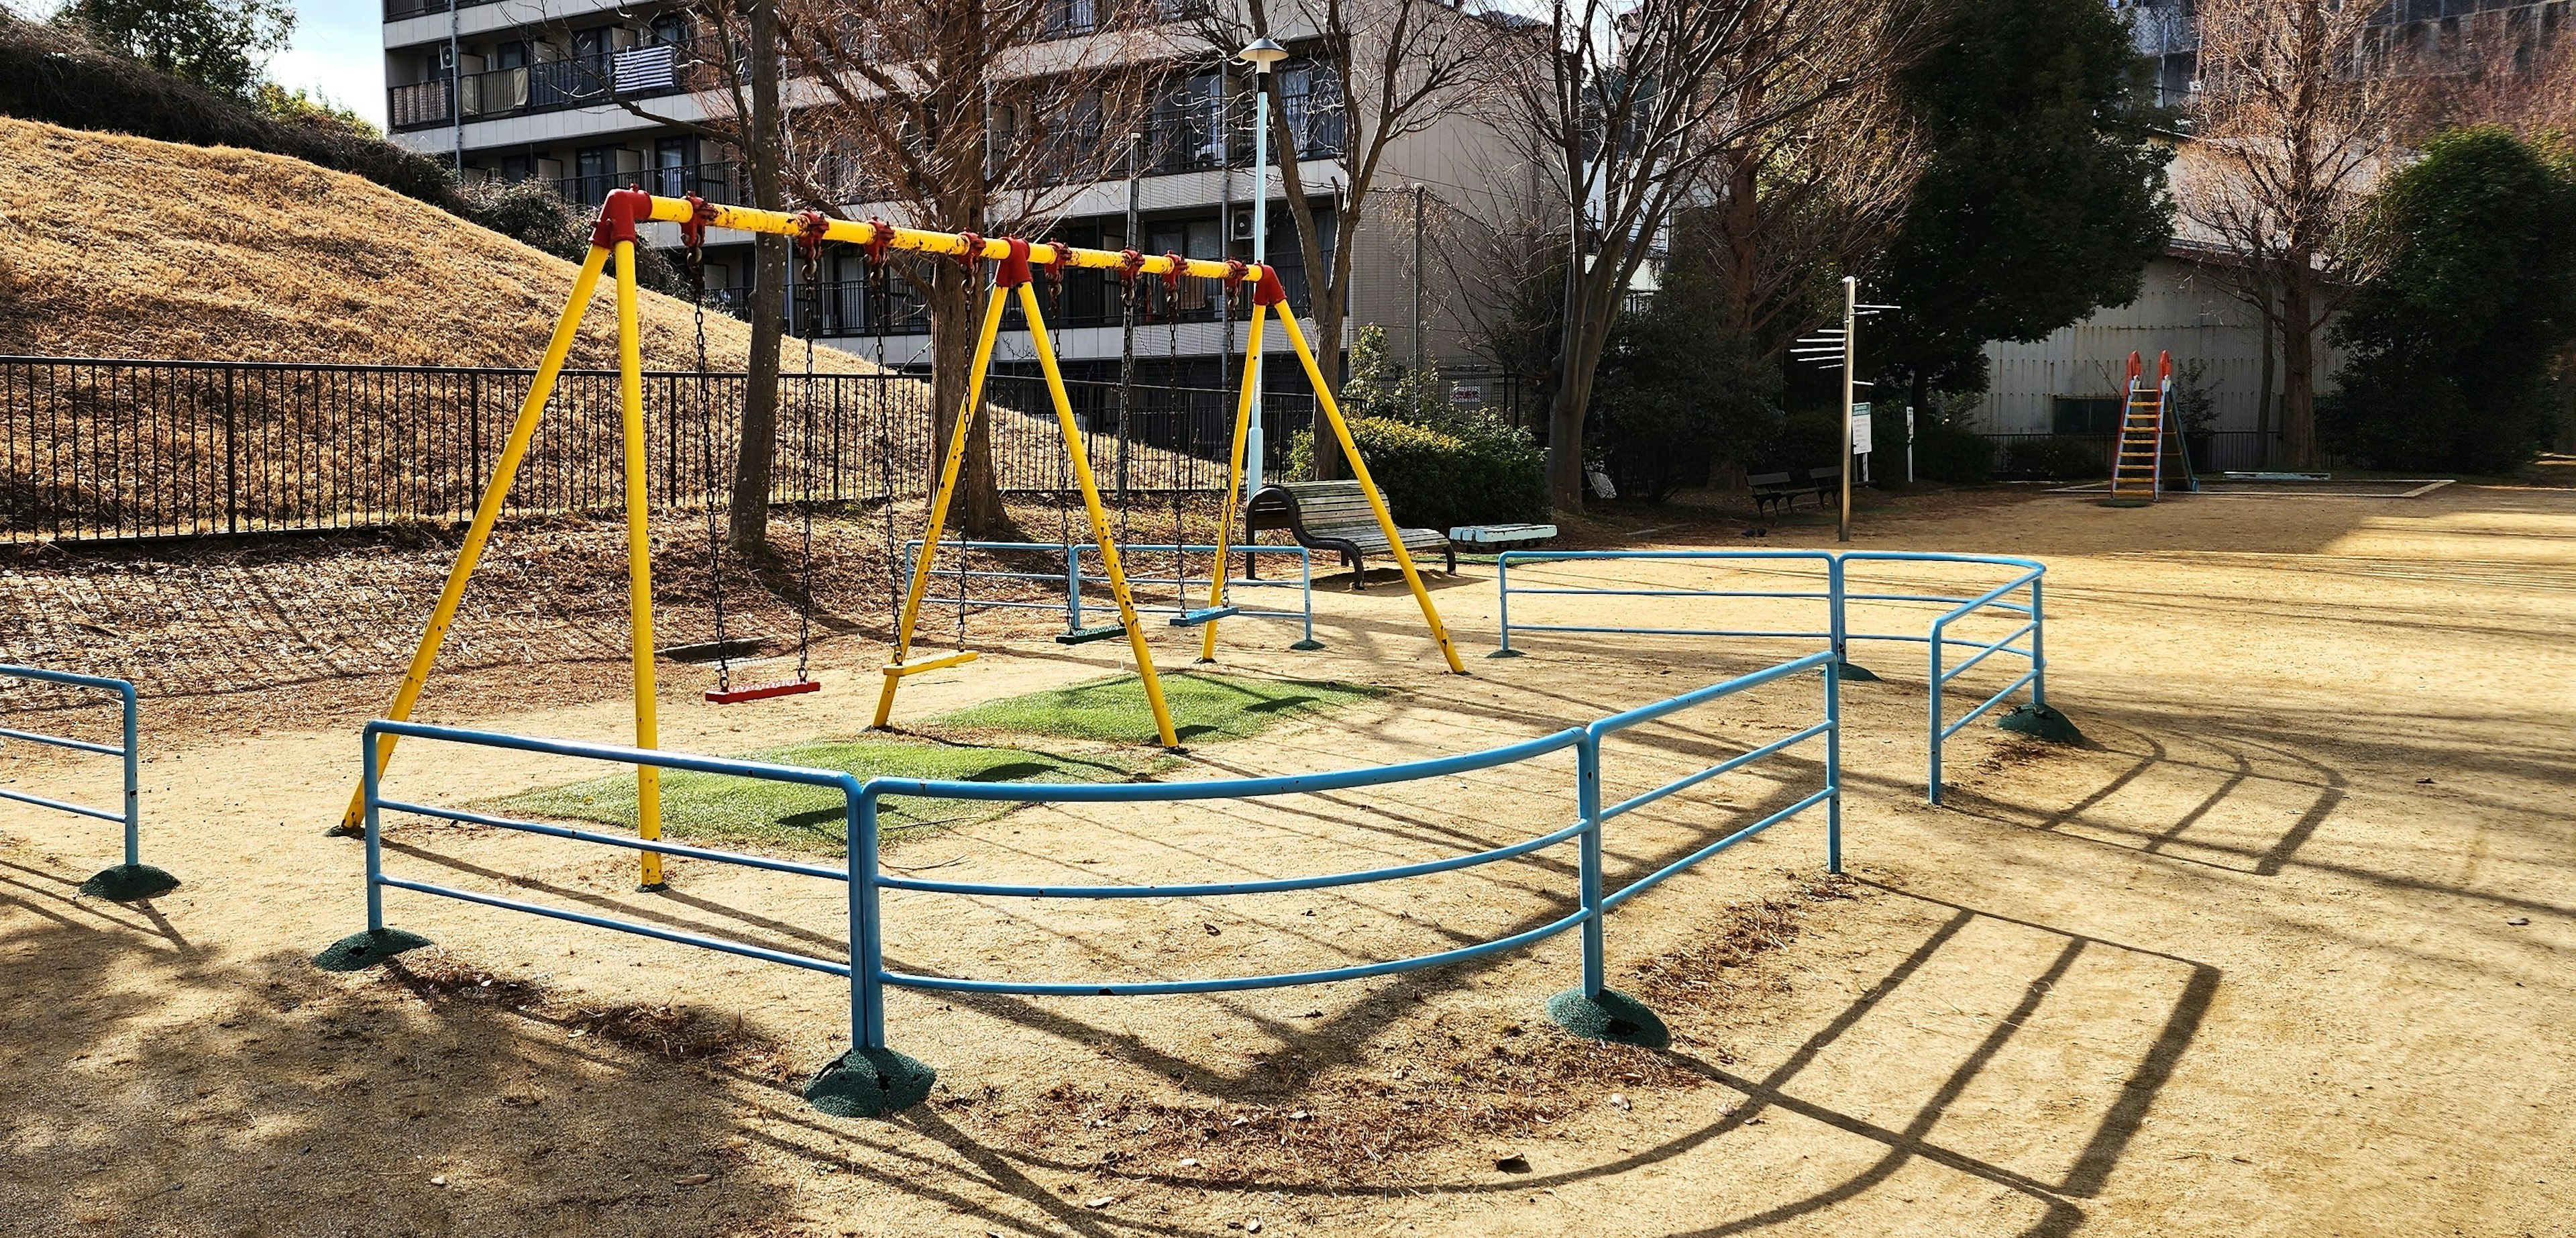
<point>103,449</point>
<point>2082,457</point>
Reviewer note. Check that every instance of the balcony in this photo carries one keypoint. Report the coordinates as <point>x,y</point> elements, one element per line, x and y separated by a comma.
<point>1072,19</point>
<point>576,81</point>
<point>858,307</point>
<point>716,182</point>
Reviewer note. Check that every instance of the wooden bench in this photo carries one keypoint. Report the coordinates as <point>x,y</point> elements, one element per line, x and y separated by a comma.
<point>1826,484</point>
<point>1334,516</point>
<point>1774,490</point>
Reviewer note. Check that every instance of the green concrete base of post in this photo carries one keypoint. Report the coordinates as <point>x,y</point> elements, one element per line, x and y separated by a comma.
<point>1307,646</point>
<point>2040,723</point>
<point>1854,672</point>
<point>128,883</point>
<point>870,1083</point>
<point>359,951</point>
<point>1614,1016</point>
<point>1507,653</point>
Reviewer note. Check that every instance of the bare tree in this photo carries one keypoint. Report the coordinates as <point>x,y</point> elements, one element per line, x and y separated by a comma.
<point>977,116</point>
<point>1378,71</point>
<point>1630,106</point>
<point>2501,67</point>
<point>1793,207</point>
<point>734,74</point>
<point>2295,119</point>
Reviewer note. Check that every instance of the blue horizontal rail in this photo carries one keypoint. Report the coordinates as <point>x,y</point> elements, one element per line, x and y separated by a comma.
<point>129,751</point>
<point>1072,578</point>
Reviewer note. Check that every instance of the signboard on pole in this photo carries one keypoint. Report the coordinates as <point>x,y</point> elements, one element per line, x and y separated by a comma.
<point>1860,429</point>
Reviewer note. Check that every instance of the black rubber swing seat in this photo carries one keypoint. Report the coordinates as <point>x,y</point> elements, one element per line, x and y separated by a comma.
<point>1195,618</point>
<point>1084,636</point>
<point>762,692</point>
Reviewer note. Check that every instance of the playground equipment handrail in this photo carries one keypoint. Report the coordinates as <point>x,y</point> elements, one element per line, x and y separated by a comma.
<point>131,752</point>
<point>866,969</point>
<point>2035,677</point>
<point>1838,595</point>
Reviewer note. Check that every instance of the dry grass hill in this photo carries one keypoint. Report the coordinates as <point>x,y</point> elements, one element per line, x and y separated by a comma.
<point>119,246</point>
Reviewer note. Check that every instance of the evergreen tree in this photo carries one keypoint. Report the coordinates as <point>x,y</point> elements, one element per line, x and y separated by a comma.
<point>219,44</point>
<point>2456,341</point>
<point>2042,199</point>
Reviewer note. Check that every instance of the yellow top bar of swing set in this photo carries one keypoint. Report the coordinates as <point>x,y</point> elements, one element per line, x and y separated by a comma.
<point>783,223</point>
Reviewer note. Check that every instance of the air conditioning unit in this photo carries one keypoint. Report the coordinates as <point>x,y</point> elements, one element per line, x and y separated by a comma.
<point>1242,230</point>
<point>446,56</point>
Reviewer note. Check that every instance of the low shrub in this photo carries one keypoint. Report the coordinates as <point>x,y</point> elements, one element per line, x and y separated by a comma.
<point>1943,452</point>
<point>1468,471</point>
<point>2058,457</point>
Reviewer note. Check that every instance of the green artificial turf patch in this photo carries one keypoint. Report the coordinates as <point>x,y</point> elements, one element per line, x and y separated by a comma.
<point>723,808</point>
<point>1204,708</point>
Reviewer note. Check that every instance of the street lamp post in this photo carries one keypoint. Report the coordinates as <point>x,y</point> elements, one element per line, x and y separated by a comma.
<point>1261,54</point>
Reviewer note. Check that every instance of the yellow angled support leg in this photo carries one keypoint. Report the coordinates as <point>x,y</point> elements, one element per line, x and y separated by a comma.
<point>487,512</point>
<point>1099,516</point>
<point>1243,414</point>
<point>1332,413</point>
<point>639,563</point>
<point>949,468</point>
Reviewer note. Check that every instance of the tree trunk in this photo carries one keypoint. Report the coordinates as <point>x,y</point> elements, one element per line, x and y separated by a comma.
<point>2263,403</point>
<point>748,513</point>
<point>955,318</point>
<point>2298,365</point>
<point>1565,441</point>
<point>1327,346</point>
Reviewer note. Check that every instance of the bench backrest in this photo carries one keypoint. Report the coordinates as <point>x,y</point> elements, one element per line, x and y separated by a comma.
<point>1820,476</point>
<point>1324,507</point>
<point>1760,480</point>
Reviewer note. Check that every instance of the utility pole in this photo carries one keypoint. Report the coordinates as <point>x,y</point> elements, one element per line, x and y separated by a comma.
<point>1851,355</point>
<point>1418,195</point>
<point>456,93</point>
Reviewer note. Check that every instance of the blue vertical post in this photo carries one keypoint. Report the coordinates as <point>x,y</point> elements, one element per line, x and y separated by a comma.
<point>1834,606</point>
<point>1587,798</point>
<point>867,964</point>
<point>2038,649</point>
<point>133,782</point>
<point>1934,790</point>
<point>1072,588</point>
<point>1503,602</point>
<point>1306,597</point>
<point>1833,767</point>
<point>375,834</point>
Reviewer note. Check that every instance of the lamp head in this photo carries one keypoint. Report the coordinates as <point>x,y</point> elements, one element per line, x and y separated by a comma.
<point>1261,54</point>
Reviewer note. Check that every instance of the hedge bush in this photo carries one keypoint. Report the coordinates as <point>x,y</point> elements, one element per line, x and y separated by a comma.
<point>2058,457</point>
<point>1943,452</point>
<point>1464,472</point>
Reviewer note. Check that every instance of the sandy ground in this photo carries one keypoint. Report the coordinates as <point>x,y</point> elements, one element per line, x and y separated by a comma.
<point>2281,950</point>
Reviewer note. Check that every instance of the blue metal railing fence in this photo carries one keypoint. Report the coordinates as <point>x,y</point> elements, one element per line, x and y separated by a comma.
<point>866,969</point>
<point>1073,578</point>
<point>132,879</point>
<point>1836,632</point>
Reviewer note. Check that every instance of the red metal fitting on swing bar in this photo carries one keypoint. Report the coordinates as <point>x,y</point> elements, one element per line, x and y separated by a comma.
<point>1129,263</point>
<point>1013,270</point>
<point>1172,273</point>
<point>810,227</point>
<point>970,249</point>
<point>1060,257</point>
<point>880,240</point>
<point>619,212</point>
<point>1269,291</point>
<point>693,230</point>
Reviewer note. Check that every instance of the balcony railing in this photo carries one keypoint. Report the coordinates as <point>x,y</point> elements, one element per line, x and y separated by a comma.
<point>1069,19</point>
<point>716,182</point>
<point>868,307</point>
<point>575,81</point>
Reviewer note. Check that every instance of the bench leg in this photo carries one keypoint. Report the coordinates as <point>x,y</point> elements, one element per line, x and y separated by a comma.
<point>1453,559</point>
<point>1359,573</point>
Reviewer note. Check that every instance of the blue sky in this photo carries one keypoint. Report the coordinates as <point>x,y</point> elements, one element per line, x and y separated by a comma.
<point>339,50</point>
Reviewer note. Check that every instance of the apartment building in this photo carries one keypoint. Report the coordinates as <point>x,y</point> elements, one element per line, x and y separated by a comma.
<point>592,95</point>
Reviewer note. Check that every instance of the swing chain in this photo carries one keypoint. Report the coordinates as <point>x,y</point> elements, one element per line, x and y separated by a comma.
<point>810,241</point>
<point>693,238</point>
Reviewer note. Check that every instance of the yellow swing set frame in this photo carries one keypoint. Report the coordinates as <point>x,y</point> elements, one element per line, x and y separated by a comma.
<point>614,236</point>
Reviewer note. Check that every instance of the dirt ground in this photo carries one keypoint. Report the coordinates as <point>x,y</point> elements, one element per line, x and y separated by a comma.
<point>2282,949</point>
